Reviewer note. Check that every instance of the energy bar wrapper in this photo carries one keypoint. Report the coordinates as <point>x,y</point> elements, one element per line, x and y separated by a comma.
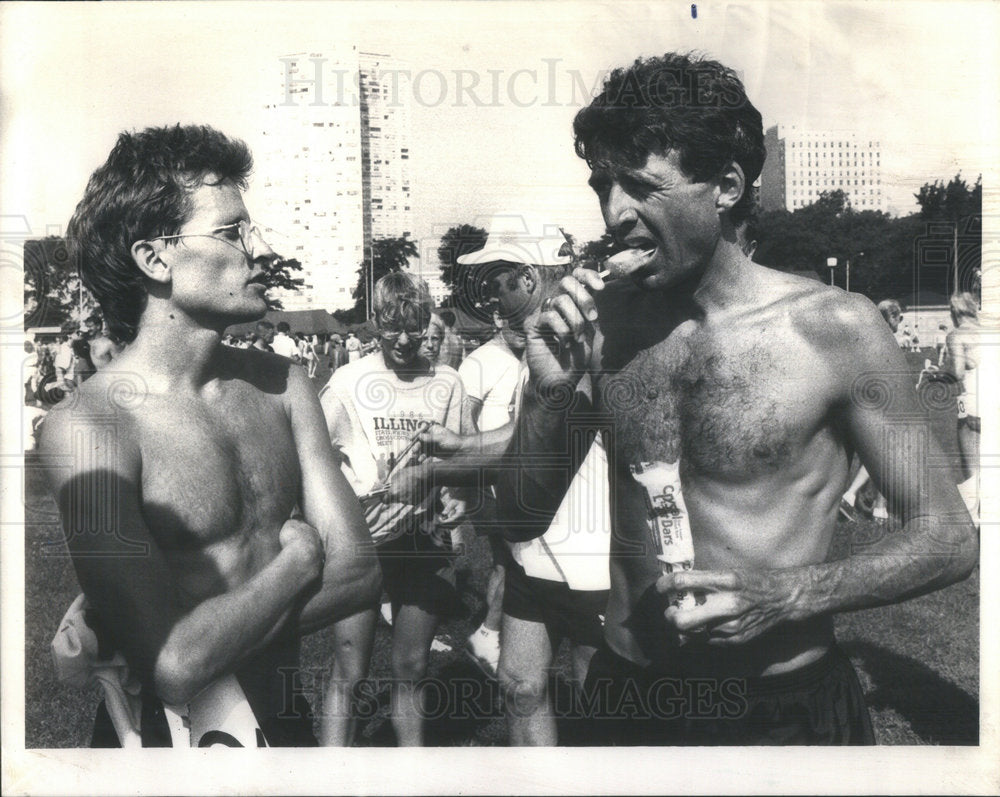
<point>669,523</point>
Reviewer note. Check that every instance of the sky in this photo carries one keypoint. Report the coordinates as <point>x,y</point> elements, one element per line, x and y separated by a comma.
<point>920,77</point>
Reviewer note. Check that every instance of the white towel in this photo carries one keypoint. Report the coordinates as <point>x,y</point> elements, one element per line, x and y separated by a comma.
<point>218,716</point>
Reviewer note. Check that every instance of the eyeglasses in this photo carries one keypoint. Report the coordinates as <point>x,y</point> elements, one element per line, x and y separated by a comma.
<point>238,235</point>
<point>393,334</point>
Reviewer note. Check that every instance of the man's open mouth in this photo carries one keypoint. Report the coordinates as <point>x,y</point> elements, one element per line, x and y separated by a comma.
<point>631,261</point>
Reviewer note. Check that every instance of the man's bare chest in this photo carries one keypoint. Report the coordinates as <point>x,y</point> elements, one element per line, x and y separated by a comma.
<point>727,409</point>
<point>213,474</point>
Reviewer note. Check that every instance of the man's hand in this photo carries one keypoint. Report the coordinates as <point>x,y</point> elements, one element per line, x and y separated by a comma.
<point>409,484</point>
<point>452,513</point>
<point>303,541</point>
<point>560,335</point>
<point>453,510</point>
<point>440,440</point>
<point>738,604</point>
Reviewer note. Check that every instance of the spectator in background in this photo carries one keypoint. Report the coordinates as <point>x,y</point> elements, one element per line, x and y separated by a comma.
<point>961,361</point>
<point>31,368</point>
<point>374,409</point>
<point>490,375</point>
<point>451,345</point>
<point>283,343</point>
<point>353,346</point>
<point>63,362</point>
<point>307,353</point>
<point>83,366</point>
<point>556,585</point>
<point>939,343</point>
<point>431,348</point>
<point>265,334</point>
<point>338,354</point>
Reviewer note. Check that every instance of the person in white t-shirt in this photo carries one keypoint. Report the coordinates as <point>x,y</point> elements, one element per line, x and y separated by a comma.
<point>375,408</point>
<point>556,584</point>
<point>353,346</point>
<point>490,375</point>
<point>283,343</point>
<point>64,360</point>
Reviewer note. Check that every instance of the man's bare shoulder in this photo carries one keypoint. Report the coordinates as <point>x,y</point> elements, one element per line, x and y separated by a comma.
<point>101,409</point>
<point>263,371</point>
<point>825,316</point>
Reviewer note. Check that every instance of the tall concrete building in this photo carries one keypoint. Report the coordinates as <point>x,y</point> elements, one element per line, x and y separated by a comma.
<point>333,172</point>
<point>428,268</point>
<point>385,147</point>
<point>801,164</point>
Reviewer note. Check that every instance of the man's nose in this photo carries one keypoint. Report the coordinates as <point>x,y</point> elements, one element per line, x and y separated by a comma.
<point>260,250</point>
<point>619,211</point>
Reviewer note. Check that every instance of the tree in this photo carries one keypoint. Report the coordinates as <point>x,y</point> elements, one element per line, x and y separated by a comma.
<point>889,257</point>
<point>830,227</point>
<point>388,255</point>
<point>952,216</point>
<point>280,276</point>
<point>52,286</point>
<point>456,242</point>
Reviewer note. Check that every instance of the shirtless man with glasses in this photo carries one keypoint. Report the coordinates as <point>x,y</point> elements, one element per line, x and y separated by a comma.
<point>208,522</point>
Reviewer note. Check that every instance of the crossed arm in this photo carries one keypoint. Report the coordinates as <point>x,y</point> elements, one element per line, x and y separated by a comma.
<point>175,645</point>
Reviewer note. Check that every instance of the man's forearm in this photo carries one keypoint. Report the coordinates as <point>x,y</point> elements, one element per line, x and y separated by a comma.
<point>351,583</point>
<point>474,462</point>
<point>218,633</point>
<point>927,554</point>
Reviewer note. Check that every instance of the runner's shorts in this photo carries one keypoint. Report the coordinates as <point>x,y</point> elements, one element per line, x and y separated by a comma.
<point>417,571</point>
<point>819,704</point>
<point>575,614</point>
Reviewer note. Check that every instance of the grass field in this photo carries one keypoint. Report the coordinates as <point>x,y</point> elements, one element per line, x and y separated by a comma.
<point>918,661</point>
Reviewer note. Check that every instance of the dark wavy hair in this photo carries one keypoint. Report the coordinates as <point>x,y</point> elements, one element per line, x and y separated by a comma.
<point>686,103</point>
<point>144,191</point>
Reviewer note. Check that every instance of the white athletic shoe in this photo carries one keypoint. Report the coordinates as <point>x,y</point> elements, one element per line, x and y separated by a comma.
<point>386,612</point>
<point>483,647</point>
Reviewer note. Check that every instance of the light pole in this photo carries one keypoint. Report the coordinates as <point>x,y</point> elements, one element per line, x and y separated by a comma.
<point>848,283</point>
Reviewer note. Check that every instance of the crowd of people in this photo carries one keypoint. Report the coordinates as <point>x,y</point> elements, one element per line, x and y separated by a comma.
<point>302,348</point>
<point>656,454</point>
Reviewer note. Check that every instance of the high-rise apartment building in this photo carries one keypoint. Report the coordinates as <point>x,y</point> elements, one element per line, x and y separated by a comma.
<point>802,164</point>
<point>332,171</point>
<point>385,147</point>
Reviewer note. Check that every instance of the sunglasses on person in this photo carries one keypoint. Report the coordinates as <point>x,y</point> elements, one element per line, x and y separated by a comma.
<point>392,334</point>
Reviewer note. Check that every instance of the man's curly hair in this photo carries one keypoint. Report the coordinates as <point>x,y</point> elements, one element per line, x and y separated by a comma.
<point>686,103</point>
<point>144,191</point>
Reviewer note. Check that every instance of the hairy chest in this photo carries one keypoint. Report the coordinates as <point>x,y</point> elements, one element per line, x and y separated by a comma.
<point>730,407</point>
<point>211,474</point>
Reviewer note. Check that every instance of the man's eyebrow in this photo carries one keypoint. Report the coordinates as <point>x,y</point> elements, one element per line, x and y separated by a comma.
<point>599,177</point>
<point>233,217</point>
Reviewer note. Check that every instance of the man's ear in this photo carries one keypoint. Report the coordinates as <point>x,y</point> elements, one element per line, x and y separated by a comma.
<point>732,185</point>
<point>148,260</point>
